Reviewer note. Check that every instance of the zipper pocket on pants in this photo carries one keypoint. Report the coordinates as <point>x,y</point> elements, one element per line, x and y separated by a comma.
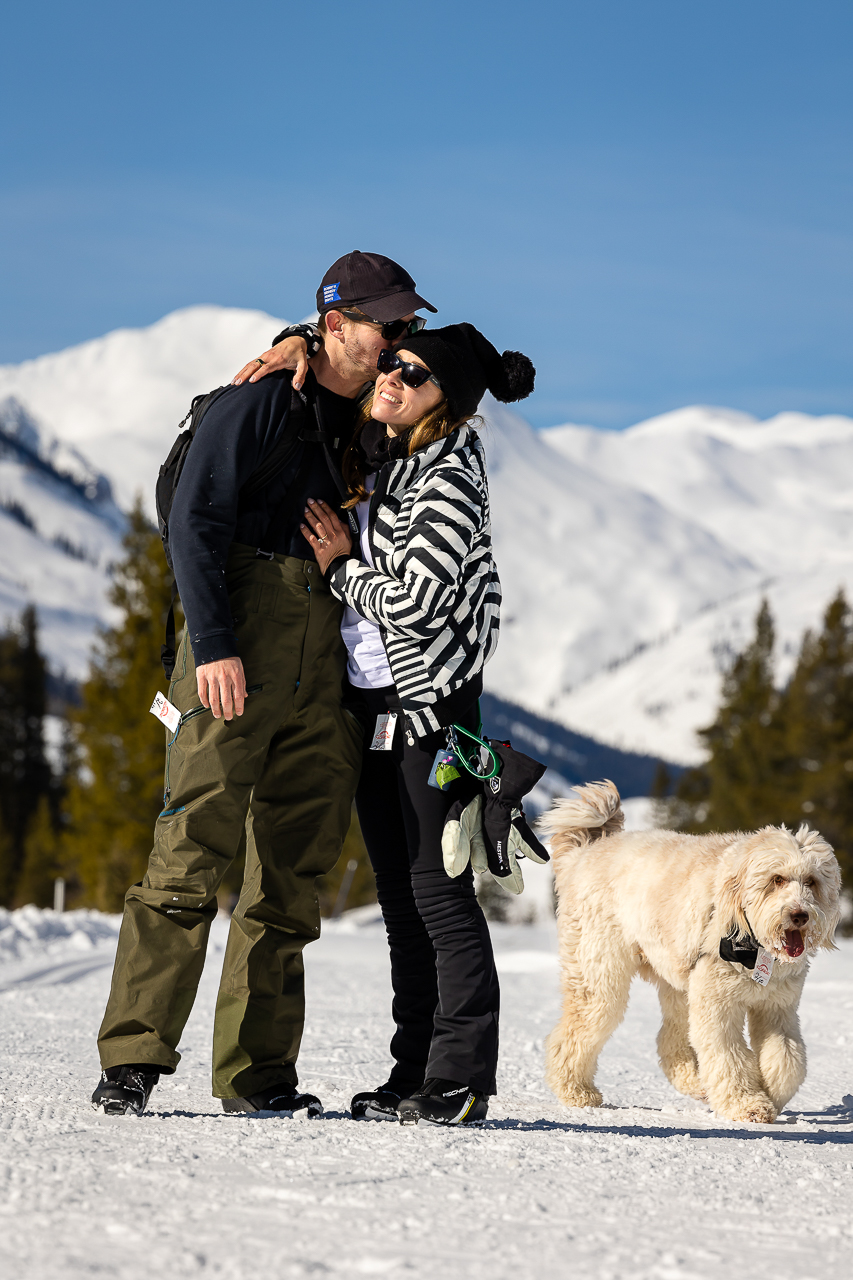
<point>185,718</point>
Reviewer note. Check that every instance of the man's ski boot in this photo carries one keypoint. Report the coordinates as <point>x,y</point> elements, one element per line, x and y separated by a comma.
<point>444,1102</point>
<point>283,1098</point>
<point>381,1103</point>
<point>125,1090</point>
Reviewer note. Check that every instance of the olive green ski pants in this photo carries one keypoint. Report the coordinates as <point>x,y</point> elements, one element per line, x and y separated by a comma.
<point>283,775</point>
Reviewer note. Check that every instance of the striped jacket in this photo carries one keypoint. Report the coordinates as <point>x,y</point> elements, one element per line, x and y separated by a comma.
<point>434,592</point>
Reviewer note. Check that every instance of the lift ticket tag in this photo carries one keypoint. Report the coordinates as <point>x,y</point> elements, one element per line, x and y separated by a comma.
<point>383,735</point>
<point>162,708</point>
<point>763,967</point>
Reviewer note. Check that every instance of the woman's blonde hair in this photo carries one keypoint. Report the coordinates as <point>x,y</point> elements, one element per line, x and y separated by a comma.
<point>434,425</point>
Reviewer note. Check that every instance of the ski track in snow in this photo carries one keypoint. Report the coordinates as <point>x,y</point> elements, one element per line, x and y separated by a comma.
<point>650,1186</point>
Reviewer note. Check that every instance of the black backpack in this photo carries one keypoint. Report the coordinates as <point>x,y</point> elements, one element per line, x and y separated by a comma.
<point>170,473</point>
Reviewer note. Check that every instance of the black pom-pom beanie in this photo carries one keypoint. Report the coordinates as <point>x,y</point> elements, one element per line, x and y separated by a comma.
<point>467,365</point>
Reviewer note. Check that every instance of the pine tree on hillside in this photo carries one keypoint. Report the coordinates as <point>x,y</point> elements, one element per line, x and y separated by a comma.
<point>42,858</point>
<point>781,756</point>
<point>739,786</point>
<point>118,790</point>
<point>819,719</point>
<point>24,771</point>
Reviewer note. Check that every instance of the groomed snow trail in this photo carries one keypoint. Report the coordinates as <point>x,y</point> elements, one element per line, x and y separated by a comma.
<point>650,1186</point>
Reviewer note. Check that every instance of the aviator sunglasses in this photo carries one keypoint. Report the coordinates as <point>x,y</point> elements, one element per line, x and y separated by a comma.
<point>413,375</point>
<point>390,329</point>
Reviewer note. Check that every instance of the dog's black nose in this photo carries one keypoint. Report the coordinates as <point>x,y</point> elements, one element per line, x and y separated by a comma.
<point>799,918</point>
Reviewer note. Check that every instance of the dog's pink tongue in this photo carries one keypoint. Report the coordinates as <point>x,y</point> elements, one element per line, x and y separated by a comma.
<point>794,942</point>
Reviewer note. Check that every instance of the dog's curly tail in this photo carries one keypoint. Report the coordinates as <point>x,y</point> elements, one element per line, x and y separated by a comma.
<point>594,811</point>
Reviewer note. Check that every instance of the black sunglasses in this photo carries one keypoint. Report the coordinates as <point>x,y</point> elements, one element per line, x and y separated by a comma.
<point>391,329</point>
<point>413,375</point>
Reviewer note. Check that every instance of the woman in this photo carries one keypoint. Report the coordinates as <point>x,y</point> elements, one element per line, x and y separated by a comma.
<point>421,621</point>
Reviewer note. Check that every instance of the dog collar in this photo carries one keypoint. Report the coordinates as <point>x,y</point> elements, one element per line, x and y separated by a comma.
<point>740,950</point>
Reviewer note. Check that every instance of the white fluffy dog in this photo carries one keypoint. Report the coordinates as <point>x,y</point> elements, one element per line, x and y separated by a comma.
<point>664,905</point>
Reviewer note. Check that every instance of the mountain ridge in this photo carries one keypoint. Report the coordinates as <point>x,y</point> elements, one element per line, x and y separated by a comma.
<point>632,562</point>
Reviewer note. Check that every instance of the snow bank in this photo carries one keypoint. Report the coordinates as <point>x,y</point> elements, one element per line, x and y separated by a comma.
<point>31,931</point>
<point>356,920</point>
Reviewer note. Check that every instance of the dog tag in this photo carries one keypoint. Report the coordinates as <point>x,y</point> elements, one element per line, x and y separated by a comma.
<point>763,967</point>
<point>383,735</point>
<point>162,708</point>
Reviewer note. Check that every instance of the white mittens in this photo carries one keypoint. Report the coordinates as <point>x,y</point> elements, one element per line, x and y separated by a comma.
<point>463,841</point>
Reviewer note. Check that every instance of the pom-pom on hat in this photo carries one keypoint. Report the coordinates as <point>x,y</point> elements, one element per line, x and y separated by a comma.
<point>467,365</point>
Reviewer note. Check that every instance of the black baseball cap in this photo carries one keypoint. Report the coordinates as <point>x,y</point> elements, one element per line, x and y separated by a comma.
<point>378,286</point>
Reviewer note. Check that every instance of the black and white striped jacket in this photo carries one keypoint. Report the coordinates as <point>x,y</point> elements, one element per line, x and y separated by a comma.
<point>435,592</point>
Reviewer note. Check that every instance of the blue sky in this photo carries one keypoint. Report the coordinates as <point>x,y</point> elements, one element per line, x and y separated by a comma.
<point>652,199</point>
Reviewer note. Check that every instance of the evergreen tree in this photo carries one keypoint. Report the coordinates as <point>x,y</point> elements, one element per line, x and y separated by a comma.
<point>117,792</point>
<point>819,719</point>
<point>661,793</point>
<point>739,786</point>
<point>42,858</point>
<point>781,756</point>
<point>24,770</point>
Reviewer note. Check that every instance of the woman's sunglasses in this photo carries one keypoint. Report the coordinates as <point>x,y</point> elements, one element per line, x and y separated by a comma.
<point>413,375</point>
<point>391,329</point>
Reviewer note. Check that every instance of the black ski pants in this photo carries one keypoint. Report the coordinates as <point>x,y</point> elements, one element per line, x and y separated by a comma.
<point>446,993</point>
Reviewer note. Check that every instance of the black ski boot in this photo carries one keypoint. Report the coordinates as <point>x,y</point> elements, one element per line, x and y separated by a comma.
<point>381,1103</point>
<point>444,1102</point>
<point>283,1098</point>
<point>125,1090</point>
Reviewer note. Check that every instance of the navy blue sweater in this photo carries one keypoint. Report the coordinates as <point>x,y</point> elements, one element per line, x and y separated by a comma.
<point>236,433</point>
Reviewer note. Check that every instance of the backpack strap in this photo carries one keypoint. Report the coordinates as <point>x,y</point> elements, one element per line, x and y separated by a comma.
<point>168,652</point>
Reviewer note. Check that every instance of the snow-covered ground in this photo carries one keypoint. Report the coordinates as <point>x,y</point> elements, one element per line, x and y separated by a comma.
<point>650,1187</point>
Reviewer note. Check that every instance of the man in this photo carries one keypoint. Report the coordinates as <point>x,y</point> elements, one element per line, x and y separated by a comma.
<point>263,735</point>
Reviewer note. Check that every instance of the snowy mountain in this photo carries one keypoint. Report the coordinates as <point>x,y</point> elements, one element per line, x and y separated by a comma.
<point>632,562</point>
<point>59,530</point>
<point>779,492</point>
<point>83,424</point>
<point>591,566</point>
<point>118,399</point>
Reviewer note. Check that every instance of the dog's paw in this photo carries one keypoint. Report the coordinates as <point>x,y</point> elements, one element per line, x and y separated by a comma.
<point>757,1109</point>
<point>579,1095</point>
<point>685,1078</point>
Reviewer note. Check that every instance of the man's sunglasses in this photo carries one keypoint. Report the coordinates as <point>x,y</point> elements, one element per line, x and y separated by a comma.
<point>391,329</point>
<point>413,375</point>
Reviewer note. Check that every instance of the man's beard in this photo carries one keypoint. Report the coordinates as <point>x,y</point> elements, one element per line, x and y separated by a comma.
<point>362,359</point>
